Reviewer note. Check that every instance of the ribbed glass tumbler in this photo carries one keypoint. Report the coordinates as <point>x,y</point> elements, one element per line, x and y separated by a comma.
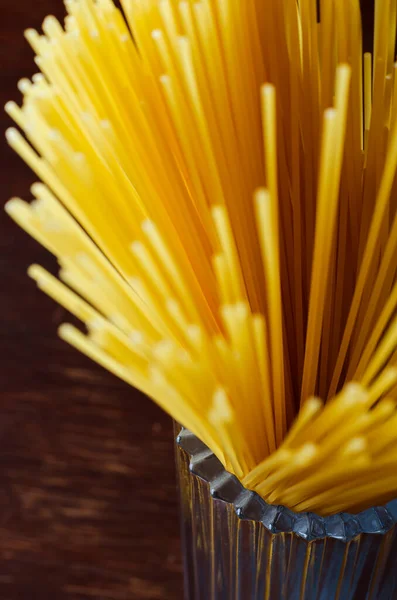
<point>238,547</point>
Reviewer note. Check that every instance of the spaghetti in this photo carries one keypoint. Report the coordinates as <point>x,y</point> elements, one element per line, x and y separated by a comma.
<point>218,186</point>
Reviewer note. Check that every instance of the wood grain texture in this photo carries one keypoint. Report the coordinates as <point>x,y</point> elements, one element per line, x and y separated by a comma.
<point>88,509</point>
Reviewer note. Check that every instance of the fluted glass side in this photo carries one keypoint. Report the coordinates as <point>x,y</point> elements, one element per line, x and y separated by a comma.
<point>238,547</point>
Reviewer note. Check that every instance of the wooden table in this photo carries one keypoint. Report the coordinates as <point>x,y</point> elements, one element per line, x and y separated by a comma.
<point>88,507</point>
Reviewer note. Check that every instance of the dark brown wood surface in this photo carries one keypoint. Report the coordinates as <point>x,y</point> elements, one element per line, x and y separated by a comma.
<point>88,508</point>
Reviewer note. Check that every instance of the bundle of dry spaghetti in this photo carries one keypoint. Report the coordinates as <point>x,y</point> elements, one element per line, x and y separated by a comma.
<point>218,186</point>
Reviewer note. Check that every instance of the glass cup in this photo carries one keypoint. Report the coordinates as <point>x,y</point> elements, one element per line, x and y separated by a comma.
<point>238,547</point>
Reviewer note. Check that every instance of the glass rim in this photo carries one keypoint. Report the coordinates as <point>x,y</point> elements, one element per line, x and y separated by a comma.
<point>278,519</point>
